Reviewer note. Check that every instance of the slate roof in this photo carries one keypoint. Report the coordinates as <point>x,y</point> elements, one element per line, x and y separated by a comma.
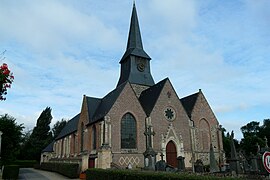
<point>189,102</point>
<point>149,96</point>
<point>49,148</point>
<point>92,105</point>
<point>134,45</point>
<point>106,103</point>
<point>70,127</point>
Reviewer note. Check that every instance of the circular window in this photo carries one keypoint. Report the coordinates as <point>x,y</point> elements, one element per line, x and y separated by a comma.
<point>169,113</point>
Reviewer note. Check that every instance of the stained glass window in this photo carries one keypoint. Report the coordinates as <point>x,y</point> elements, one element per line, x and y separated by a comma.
<point>128,132</point>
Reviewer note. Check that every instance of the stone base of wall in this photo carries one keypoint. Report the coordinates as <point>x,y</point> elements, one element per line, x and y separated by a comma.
<point>104,158</point>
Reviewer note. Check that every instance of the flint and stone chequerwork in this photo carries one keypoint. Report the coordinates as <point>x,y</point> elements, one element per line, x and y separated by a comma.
<point>115,131</point>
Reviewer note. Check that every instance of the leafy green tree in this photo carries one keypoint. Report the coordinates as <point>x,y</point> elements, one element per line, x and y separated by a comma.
<point>265,130</point>
<point>11,138</point>
<point>24,145</point>
<point>250,144</point>
<point>57,127</point>
<point>251,129</point>
<point>226,142</point>
<point>41,136</point>
<point>254,136</point>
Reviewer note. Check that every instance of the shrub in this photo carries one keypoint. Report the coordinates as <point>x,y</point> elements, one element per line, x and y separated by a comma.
<point>102,174</point>
<point>70,170</point>
<point>10,172</point>
<point>36,166</point>
<point>24,163</point>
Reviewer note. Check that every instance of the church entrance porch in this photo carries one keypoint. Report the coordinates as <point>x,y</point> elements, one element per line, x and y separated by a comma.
<point>171,154</point>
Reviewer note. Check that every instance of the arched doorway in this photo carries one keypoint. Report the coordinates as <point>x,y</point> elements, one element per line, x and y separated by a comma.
<point>171,154</point>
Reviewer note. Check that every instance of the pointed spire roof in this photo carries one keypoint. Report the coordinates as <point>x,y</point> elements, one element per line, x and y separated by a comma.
<point>134,45</point>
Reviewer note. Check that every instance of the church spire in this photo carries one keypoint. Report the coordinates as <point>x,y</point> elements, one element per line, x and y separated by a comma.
<point>135,63</point>
<point>134,38</point>
<point>134,45</point>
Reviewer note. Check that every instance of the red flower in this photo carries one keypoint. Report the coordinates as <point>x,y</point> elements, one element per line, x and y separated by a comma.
<point>6,79</point>
<point>6,72</point>
<point>4,66</point>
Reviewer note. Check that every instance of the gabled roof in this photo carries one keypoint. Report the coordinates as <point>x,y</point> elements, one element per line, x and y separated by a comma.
<point>188,103</point>
<point>106,103</point>
<point>70,127</point>
<point>48,148</point>
<point>134,45</point>
<point>149,96</point>
<point>92,105</point>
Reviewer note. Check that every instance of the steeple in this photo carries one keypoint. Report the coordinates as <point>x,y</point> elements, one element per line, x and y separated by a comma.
<point>135,63</point>
<point>134,45</point>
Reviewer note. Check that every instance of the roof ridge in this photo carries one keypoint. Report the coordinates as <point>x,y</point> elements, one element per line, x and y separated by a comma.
<point>107,105</point>
<point>68,129</point>
<point>189,102</point>
<point>149,97</point>
<point>197,93</point>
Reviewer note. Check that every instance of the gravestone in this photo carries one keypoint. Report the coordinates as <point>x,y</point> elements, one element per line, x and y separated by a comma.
<point>170,168</point>
<point>234,160</point>
<point>198,166</point>
<point>161,165</point>
<point>181,163</point>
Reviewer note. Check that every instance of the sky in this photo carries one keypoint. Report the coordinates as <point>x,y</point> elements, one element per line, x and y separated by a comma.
<point>60,50</point>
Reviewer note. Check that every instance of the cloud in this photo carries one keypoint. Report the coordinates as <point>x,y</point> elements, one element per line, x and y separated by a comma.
<point>60,50</point>
<point>52,25</point>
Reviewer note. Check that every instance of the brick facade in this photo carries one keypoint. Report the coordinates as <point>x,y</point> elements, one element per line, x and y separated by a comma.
<point>188,124</point>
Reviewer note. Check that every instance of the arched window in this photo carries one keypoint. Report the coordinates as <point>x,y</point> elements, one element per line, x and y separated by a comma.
<point>205,135</point>
<point>128,132</point>
<point>94,137</point>
<point>82,136</point>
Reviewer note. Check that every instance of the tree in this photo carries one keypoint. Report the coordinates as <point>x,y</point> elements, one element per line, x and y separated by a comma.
<point>226,143</point>
<point>254,136</point>
<point>251,129</point>
<point>40,137</point>
<point>24,145</point>
<point>11,138</point>
<point>250,144</point>
<point>57,127</point>
<point>265,130</point>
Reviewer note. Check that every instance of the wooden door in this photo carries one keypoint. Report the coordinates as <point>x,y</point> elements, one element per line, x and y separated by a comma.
<point>91,163</point>
<point>171,154</point>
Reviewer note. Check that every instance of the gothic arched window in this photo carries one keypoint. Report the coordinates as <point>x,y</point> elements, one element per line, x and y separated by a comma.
<point>128,132</point>
<point>205,136</point>
<point>94,137</point>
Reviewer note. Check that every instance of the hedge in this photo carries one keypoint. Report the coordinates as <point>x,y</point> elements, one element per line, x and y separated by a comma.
<point>70,170</point>
<point>10,172</point>
<point>24,163</point>
<point>102,174</point>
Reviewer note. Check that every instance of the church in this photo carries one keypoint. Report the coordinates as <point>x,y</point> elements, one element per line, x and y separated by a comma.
<point>139,122</point>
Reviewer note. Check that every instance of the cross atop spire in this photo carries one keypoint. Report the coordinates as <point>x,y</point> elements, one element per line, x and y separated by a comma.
<point>134,45</point>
